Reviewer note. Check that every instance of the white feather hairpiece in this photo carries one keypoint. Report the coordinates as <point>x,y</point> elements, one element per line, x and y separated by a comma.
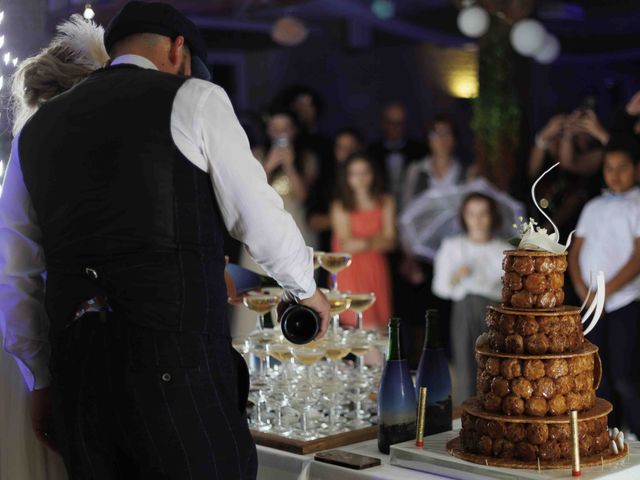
<point>84,40</point>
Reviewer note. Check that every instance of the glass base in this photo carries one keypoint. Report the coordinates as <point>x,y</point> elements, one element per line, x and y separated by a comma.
<point>358,423</point>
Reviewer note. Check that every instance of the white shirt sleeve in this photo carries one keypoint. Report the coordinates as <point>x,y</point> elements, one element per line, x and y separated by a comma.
<point>206,130</point>
<point>23,321</point>
<point>446,263</point>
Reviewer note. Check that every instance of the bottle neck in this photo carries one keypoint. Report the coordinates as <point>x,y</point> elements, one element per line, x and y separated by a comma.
<point>432,339</point>
<point>394,352</point>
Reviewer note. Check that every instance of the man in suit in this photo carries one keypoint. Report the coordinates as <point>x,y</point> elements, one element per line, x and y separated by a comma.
<point>394,152</point>
<point>120,189</point>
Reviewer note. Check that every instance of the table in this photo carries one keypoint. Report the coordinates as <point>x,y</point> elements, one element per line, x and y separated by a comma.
<point>280,465</point>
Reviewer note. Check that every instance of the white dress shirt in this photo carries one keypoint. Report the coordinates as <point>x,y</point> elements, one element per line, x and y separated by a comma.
<point>206,131</point>
<point>483,259</point>
<point>609,225</point>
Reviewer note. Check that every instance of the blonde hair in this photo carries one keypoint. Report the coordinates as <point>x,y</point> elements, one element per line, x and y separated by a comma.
<point>76,51</point>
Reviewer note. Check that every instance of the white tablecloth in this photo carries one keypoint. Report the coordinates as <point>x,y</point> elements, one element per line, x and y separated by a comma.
<point>276,464</point>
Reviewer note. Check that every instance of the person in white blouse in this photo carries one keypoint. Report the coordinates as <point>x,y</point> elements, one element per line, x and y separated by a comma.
<point>467,270</point>
<point>74,53</point>
<point>153,425</point>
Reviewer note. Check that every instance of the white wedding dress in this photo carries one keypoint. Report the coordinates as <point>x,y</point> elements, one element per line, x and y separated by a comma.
<point>22,455</point>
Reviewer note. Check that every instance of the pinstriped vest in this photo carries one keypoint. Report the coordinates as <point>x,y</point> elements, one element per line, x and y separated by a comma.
<point>113,195</point>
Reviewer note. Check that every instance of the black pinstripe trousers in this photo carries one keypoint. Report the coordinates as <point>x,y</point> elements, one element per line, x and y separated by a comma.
<point>135,403</point>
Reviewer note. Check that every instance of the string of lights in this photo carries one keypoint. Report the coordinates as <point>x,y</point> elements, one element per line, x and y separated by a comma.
<point>7,64</point>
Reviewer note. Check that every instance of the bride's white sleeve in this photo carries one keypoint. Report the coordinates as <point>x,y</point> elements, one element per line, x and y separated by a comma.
<point>23,322</point>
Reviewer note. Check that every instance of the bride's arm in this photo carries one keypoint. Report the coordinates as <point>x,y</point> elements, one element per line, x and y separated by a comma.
<point>23,321</point>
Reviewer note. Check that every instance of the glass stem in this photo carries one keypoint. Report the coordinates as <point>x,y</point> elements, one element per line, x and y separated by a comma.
<point>358,320</point>
<point>358,405</point>
<point>260,323</point>
<point>279,420</point>
<point>259,410</point>
<point>304,421</point>
<point>263,369</point>
<point>334,281</point>
<point>332,412</point>
<point>335,323</point>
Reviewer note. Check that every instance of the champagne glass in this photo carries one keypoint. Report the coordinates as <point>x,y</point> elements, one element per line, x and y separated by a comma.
<point>260,401</point>
<point>259,340</point>
<point>381,342</point>
<point>338,303</point>
<point>280,392</point>
<point>306,395</point>
<point>261,303</point>
<point>282,353</point>
<point>316,259</point>
<point>334,263</point>
<point>242,346</point>
<point>330,390</point>
<point>359,343</point>
<point>359,303</point>
<point>361,390</point>
<point>307,356</point>
<point>337,347</point>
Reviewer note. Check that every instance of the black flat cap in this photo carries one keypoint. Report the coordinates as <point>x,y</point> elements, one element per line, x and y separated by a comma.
<point>162,19</point>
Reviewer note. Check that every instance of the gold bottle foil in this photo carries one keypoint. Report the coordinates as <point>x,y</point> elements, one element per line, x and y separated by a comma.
<point>575,444</point>
<point>422,413</point>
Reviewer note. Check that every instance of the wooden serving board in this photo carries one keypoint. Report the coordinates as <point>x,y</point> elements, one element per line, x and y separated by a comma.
<point>302,447</point>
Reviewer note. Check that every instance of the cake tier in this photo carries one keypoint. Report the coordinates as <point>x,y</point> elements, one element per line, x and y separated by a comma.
<point>531,331</point>
<point>538,385</point>
<point>533,279</point>
<point>527,438</point>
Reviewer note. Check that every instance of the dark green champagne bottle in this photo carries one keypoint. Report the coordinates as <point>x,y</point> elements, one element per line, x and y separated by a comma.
<point>396,397</point>
<point>433,373</point>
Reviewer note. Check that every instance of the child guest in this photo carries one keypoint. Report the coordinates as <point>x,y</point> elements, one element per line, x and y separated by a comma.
<point>608,238</point>
<point>363,220</point>
<point>467,271</point>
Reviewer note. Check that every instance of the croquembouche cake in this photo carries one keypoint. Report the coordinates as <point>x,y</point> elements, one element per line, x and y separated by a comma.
<point>534,365</point>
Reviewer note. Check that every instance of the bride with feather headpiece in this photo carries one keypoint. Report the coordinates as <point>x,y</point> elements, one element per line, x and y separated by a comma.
<point>74,53</point>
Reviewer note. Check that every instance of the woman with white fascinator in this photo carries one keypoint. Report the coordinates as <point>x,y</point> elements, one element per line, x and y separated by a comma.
<point>75,52</point>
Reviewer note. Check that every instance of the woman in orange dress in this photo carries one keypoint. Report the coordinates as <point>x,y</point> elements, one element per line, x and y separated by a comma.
<point>363,220</point>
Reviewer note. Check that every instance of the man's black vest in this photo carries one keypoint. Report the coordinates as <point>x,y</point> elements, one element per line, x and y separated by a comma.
<point>113,195</point>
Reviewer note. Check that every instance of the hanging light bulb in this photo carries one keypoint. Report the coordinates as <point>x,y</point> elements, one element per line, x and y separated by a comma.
<point>383,9</point>
<point>15,62</point>
<point>7,58</point>
<point>88,12</point>
<point>1,167</point>
<point>1,41</point>
<point>1,16</point>
<point>1,82</point>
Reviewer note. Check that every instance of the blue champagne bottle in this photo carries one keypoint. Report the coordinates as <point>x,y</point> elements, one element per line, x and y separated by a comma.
<point>433,373</point>
<point>396,397</point>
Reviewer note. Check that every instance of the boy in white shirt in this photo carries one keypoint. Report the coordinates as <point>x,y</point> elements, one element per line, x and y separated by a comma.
<point>608,239</point>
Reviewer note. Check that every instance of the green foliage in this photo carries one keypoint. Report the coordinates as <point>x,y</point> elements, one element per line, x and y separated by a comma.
<point>496,111</point>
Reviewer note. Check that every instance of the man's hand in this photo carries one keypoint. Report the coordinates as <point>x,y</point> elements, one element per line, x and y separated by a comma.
<point>633,107</point>
<point>319,303</point>
<point>41,416</point>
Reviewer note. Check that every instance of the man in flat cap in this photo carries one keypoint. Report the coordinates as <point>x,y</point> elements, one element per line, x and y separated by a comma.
<point>129,180</point>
